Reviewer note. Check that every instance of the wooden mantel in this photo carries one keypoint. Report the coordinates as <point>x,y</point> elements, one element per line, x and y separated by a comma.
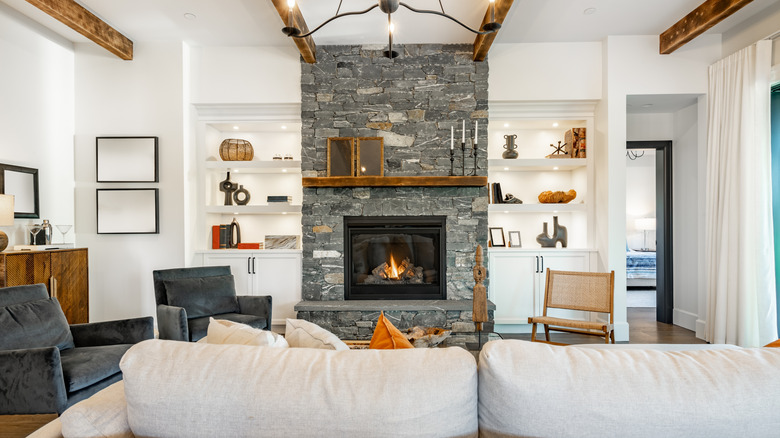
<point>395,181</point>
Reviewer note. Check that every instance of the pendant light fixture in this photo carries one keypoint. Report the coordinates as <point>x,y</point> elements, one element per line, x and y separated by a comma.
<point>389,7</point>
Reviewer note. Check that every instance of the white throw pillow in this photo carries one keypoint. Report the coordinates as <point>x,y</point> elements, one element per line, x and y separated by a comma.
<point>222,331</point>
<point>301,333</point>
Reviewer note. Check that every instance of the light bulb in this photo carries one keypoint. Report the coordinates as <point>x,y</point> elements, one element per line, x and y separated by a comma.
<point>555,125</point>
<point>291,3</point>
<point>391,27</point>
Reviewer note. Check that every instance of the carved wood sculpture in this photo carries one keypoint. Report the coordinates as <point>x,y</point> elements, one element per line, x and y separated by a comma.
<point>73,15</point>
<point>706,15</point>
<point>480,311</point>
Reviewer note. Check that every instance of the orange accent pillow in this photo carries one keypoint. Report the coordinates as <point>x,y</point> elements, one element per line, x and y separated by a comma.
<point>773,344</point>
<point>387,337</point>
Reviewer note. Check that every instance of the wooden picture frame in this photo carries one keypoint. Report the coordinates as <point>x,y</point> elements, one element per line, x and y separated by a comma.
<point>128,211</point>
<point>370,156</point>
<point>497,236</point>
<point>126,159</point>
<point>22,182</point>
<point>341,158</point>
<point>514,239</point>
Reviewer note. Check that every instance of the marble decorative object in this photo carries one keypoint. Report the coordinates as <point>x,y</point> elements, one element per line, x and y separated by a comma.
<point>281,242</point>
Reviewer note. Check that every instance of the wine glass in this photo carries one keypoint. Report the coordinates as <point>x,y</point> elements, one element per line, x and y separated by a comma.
<point>64,230</point>
<point>34,229</point>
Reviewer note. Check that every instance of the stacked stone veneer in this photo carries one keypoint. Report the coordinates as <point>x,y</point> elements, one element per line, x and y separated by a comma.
<point>411,102</point>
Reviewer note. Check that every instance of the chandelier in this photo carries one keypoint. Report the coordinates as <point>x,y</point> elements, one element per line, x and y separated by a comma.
<point>388,7</point>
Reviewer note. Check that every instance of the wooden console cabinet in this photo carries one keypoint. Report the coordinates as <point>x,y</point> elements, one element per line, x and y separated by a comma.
<point>63,271</point>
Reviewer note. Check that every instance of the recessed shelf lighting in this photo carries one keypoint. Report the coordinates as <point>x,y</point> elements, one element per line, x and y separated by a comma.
<point>555,124</point>
<point>236,170</point>
<point>590,11</point>
<point>236,213</point>
<point>190,16</point>
<point>284,212</point>
<point>284,170</point>
<point>284,126</point>
<point>506,168</point>
<point>555,168</point>
<point>235,127</point>
<point>506,125</point>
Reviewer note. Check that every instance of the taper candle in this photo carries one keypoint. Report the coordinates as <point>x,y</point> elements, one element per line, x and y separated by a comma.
<point>452,137</point>
<point>476,133</point>
<point>464,131</point>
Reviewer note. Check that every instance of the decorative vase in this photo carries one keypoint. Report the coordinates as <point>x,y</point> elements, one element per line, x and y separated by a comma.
<point>228,187</point>
<point>560,234</point>
<point>235,149</point>
<point>235,234</point>
<point>511,148</point>
<point>544,239</point>
<point>238,195</point>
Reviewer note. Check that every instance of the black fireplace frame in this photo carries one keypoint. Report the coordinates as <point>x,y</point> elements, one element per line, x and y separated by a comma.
<point>383,224</point>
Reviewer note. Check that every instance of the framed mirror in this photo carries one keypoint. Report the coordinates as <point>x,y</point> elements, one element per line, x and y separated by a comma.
<point>341,162</point>
<point>127,159</point>
<point>370,156</point>
<point>128,211</point>
<point>22,182</point>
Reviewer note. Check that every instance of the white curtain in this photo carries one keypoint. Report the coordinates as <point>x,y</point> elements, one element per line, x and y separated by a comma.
<point>739,244</point>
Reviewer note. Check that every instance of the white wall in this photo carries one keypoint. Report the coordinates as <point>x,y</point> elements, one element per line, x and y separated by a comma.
<point>545,71</point>
<point>753,29</point>
<point>142,97</point>
<point>633,66</point>
<point>640,197</point>
<point>36,114</point>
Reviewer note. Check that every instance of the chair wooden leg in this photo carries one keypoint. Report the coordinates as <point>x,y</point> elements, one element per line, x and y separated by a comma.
<point>547,332</point>
<point>612,335</point>
<point>533,332</point>
<point>606,337</point>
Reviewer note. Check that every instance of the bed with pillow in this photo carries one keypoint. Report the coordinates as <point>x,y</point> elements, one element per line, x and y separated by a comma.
<point>640,268</point>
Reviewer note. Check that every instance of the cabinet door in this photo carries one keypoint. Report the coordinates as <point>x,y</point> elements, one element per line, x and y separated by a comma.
<point>577,261</point>
<point>512,288</point>
<point>30,268</point>
<point>70,283</point>
<point>279,275</point>
<point>240,267</point>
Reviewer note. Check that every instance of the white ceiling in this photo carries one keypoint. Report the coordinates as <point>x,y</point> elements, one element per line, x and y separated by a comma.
<point>255,22</point>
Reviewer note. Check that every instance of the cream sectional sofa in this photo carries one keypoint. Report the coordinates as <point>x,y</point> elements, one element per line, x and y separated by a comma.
<point>176,389</point>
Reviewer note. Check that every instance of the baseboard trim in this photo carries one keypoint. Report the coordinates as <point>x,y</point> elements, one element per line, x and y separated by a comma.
<point>701,329</point>
<point>684,319</point>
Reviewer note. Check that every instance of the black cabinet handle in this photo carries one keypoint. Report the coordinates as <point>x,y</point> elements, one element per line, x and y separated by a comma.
<point>248,269</point>
<point>542,257</point>
<point>537,264</point>
<point>253,265</point>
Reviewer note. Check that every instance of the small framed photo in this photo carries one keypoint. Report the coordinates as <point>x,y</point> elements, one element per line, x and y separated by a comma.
<point>128,211</point>
<point>497,236</point>
<point>514,239</point>
<point>127,159</point>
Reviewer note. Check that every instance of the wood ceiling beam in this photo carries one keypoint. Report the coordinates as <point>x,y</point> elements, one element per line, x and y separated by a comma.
<point>483,42</point>
<point>706,15</point>
<point>305,45</point>
<point>86,23</point>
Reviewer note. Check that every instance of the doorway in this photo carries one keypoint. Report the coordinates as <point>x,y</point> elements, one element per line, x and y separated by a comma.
<point>664,293</point>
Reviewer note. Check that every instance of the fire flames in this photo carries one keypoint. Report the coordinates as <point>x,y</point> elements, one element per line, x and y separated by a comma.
<point>392,269</point>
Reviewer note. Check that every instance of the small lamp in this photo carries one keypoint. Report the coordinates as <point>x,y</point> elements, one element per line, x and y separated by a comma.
<point>645,224</point>
<point>6,217</point>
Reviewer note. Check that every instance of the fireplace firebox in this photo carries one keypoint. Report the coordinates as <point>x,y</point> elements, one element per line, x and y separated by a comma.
<point>395,257</point>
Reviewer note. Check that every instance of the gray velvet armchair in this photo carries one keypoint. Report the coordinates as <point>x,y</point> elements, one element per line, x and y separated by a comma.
<point>46,365</point>
<point>187,297</point>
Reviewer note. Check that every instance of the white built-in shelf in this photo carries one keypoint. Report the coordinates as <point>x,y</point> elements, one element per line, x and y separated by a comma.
<point>272,208</point>
<point>256,166</point>
<point>536,208</point>
<point>536,164</point>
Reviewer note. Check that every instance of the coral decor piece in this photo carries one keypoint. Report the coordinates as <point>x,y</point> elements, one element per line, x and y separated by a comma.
<point>549,197</point>
<point>235,149</point>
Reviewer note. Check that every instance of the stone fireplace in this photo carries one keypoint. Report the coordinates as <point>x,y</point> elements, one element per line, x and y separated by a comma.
<point>411,102</point>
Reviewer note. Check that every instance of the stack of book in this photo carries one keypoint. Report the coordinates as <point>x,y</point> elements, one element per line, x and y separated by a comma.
<point>497,195</point>
<point>279,199</point>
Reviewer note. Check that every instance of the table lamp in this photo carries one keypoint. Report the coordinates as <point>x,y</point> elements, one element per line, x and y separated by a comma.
<point>645,224</point>
<point>6,218</point>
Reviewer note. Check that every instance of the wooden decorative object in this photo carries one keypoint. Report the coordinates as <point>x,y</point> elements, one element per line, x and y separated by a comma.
<point>341,156</point>
<point>482,43</point>
<point>235,149</point>
<point>575,143</point>
<point>480,311</point>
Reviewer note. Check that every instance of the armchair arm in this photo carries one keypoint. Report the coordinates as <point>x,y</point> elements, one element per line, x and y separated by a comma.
<point>259,306</point>
<point>32,382</point>
<point>172,323</point>
<point>123,331</point>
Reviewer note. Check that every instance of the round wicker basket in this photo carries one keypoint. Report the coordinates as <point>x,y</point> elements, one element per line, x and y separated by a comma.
<point>234,149</point>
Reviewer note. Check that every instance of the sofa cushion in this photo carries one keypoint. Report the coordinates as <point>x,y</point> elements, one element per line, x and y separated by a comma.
<point>198,327</point>
<point>84,366</point>
<point>33,324</point>
<point>102,415</point>
<point>189,389</point>
<point>304,334</point>
<point>619,392</point>
<point>387,337</point>
<point>222,331</point>
<point>203,296</point>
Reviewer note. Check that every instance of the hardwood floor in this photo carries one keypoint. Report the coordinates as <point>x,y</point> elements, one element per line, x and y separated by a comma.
<point>643,329</point>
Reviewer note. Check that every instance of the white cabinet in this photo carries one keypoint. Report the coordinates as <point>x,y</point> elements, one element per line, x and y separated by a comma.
<point>517,282</point>
<point>268,272</point>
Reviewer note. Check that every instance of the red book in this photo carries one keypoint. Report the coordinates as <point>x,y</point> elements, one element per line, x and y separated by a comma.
<point>215,237</point>
<point>248,246</point>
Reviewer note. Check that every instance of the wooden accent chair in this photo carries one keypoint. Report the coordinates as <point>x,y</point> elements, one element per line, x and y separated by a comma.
<point>583,291</point>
